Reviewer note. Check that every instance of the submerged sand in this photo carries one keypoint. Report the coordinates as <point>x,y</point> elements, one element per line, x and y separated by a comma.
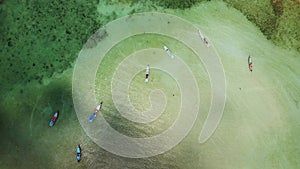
<point>259,129</point>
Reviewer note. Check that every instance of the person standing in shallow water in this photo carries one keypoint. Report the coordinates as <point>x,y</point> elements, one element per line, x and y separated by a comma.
<point>98,108</point>
<point>147,73</point>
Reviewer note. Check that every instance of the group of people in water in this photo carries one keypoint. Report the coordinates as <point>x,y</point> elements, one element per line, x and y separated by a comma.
<point>78,148</point>
<point>99,106</point>
<point>92,117</point>
<point>148,67</point>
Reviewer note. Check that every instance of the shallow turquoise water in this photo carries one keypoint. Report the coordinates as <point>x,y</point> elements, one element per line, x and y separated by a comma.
<point>115,57</point>
<point>259,128</point>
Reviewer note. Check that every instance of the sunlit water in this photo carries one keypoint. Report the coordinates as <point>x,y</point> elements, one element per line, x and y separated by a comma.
<point>259,129</point>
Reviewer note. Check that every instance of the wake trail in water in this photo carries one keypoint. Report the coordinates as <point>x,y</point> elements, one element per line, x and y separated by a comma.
<point>32,113</point>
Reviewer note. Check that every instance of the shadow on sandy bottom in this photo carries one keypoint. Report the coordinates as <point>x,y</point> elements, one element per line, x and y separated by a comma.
<point>27,139</point>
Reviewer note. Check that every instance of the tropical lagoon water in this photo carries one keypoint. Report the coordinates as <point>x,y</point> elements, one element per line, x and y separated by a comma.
<point>259,127</point>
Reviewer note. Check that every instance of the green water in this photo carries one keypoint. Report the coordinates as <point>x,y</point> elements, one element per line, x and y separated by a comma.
<point>139,91</point>
<point>259,129</point>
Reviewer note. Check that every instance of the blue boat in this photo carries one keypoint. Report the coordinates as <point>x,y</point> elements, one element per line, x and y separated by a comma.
<point>96,110</point>
<point>54,119</point>
<point>92,117</point>
<point>78,153</point>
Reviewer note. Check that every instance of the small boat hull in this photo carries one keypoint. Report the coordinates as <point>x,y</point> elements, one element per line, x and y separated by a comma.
<point>92,117</point>
<point>78,153</point>
<point>168,51</point>
<point>54,119</point>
